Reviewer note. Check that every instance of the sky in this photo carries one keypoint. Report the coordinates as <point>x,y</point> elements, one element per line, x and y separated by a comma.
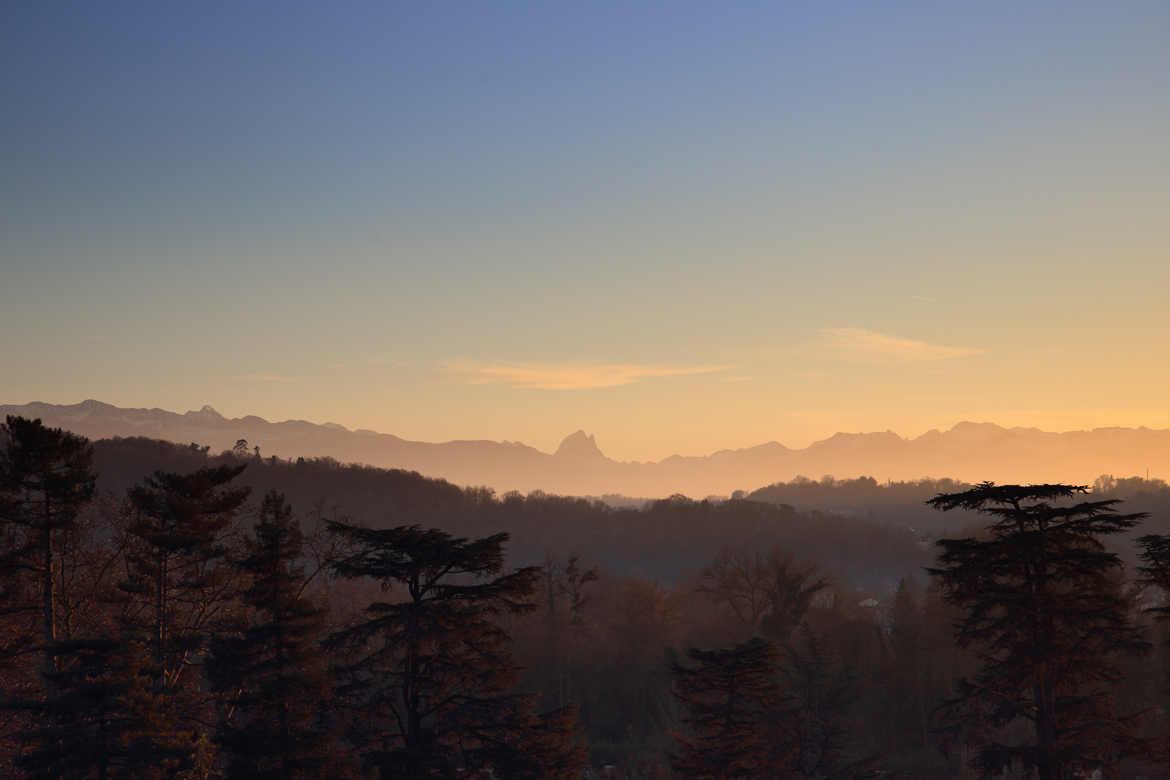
<point>680,226</point>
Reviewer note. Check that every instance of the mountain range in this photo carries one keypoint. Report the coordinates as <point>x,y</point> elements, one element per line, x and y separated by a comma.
<point>968,451</point>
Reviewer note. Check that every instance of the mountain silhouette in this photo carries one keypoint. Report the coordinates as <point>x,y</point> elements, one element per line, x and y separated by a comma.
<point>968,451</point>
<point>581,446</point>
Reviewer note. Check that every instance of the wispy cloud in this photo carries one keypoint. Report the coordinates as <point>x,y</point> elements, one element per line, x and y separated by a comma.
<point>735,378</point>
<point>263,378</point>
<point>871,345</point>
<point>569,376</point>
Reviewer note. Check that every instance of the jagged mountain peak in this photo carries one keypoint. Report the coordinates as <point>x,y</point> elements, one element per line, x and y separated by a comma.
<point>968,451</point>
<point>579,445</point>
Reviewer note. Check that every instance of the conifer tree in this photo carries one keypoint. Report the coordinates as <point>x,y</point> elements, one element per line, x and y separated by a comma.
<point>734,713</point>
<point>1042,607</point>
<point>180,593</point>
<point>428,673</point>
<point>272,673</point>
<point>101,719</point>
<point>46,476</point>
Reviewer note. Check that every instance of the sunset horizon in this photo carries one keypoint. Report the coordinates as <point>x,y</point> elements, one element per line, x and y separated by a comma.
<point>754,225</point>
<point>563,391</point>
<point>583,464</point>
<point>571,429</point>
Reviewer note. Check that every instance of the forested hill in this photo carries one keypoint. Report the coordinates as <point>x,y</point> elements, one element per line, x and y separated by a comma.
<point>858,634</point>
<point>968,451</point>
<point>666,539</point>
<point>904,503</point>
<point>867,532</point>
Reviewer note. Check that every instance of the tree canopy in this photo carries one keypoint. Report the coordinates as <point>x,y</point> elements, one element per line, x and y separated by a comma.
<point>1042,607</point>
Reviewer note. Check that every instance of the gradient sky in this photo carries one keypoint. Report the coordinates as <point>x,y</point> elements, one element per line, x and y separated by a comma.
<point>681,226</point>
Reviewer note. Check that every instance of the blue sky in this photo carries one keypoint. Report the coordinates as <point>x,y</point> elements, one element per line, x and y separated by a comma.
<point>681,225</point>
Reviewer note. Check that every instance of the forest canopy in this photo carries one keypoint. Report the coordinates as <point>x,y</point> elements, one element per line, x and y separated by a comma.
<point>174,612</point>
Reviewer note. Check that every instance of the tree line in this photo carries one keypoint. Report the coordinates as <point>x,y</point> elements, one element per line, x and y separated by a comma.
<point>186,626</point>
<point>176,640</point>
<point>1051,627</point>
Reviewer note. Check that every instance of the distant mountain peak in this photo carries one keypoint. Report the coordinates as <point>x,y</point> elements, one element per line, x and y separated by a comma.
<point>967,430</point>
<point>970,451</point>
<point>579,445</point>
<point>968,425</point>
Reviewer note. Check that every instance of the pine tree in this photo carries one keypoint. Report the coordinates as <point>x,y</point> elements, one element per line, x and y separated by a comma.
<point>1042,607</point>
<point>272,674</point>
<point>733,711</point>
<point>98,720</point>
<point>46,476</point>
<point>180,593</point>
<point>429,674</point>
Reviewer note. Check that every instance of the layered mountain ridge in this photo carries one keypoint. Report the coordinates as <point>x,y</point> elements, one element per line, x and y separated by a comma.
<point>968,451</point>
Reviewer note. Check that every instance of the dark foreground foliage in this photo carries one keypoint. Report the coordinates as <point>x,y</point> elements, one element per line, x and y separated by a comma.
<point>168,612</point>
<point>1045,609</point>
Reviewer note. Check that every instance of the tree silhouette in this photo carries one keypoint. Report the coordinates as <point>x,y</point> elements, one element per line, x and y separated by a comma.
<point>272,673</point>
<point>46,476</point>
<point>822,689</point>
<point>1155,572</point>
<point>907,704</point>
<point>572,585</point>
<point>1042,608</point>
<point>429,673</point>
<point>180,590</point>
<point>732,709</point>
<point>1155,555</point>
<point>766,592</point>
<point>102,719</point>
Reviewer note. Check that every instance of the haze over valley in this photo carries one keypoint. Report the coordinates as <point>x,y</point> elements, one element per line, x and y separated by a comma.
<point>968,452</point>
